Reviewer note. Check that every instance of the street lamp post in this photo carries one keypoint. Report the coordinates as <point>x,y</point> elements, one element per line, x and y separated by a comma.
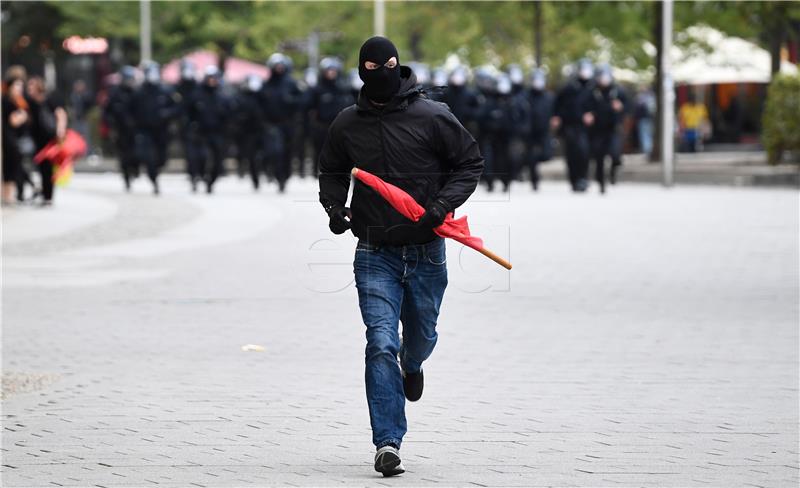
<point>380,18</point>
<point>145,43</point>
<point>667,97</point>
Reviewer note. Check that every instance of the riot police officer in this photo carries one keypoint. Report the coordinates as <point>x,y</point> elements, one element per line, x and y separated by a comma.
<point>539,144</point>
<point>519,136</point>
<point>504,114</point>
<point>485,83</point>
<point>461,99</point>
<point>251,127</point>
<point>607,104</point>
<point>280,101</point>
<point>118,115</point>
<point>187,121</point>
<point>517,77</point>
<point>572,116</point>
<point>329,97</point>
<point>211,110</point>
<point>153,109</point>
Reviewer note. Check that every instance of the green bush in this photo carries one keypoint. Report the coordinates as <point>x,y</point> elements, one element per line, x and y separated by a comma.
<point>781,121</point>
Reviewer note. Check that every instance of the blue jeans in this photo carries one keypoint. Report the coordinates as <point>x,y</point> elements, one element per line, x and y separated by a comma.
<point>397,284</point>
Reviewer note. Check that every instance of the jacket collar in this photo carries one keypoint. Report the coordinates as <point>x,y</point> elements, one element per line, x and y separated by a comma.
<point>406,94</point>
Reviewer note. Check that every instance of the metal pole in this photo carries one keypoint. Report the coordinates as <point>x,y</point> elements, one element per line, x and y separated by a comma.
<point>145,45</point>
<point>668,97</point>
<point>537,26</point>
<point>313,49</point>
<point>380,18</point>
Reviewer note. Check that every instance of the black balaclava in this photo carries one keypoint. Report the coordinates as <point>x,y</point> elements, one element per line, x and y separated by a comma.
<point>382,83</point>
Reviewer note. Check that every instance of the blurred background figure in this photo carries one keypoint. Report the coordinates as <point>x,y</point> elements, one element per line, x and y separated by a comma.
<point>80,102</point>
<point>251,126</point>
<point>16,123</point>
<point>211,110</point>
<point>572,117</point>
<point>48,122</point>
<point>644,114</point>
<point>607,105</point>
<point>539,142</point>
<point>354,82</point>
<point>331,95</point>
<point>521,129</point>
<point>504,114</point>
<point>188,125</point>
<point>119,116</point>
<point>486,86</point>
<point>280,102</point>
<point>461,98</point>
<point>153,109</point>
<point>693,120</point>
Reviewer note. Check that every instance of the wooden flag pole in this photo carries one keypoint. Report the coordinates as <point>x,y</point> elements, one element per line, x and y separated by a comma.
<point>494,257</point>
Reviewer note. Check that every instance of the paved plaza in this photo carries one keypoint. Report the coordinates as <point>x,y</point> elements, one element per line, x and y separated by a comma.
<point>648,337</point>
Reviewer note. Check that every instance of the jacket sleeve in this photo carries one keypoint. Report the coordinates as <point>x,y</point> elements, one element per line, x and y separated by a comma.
<point>334,169</point>
<point>462,159</point>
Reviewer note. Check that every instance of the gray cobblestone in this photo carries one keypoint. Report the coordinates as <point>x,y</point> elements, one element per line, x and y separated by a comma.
<point>646,338</point>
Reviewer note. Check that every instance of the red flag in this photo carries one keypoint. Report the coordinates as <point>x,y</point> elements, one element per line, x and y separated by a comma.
<point>456,229</point>
<point>62,154</point>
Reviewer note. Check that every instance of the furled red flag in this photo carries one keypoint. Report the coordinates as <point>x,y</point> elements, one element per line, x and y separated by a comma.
<point>456,229</point>
<point>62,154</point>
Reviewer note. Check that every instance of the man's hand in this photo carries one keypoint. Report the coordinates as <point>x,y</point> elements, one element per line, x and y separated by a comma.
<point>340,220</point>
<point>616,104</point>
<point>434,215</point>
<point>588,118</point>
<point>555,122</point>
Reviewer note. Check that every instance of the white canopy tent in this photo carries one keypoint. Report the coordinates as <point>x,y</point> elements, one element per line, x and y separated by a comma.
<point>703,55</point>
<point>713,57</point>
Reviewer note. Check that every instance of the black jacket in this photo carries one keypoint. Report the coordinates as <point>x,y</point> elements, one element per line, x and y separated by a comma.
<point>541,103</point>
<point>328,99</point>
<point>572,102</point>
<point>606,120</point>
<point>413,143</point>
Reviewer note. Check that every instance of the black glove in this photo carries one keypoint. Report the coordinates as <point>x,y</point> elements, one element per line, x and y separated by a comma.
<point>340,219</point>
<point>434,215</point>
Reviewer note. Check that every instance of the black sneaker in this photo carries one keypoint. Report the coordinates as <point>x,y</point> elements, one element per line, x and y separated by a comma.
<point>387,461</point>
<point>412,385</point>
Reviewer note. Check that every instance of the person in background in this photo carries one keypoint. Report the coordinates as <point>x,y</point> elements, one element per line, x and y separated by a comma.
<point>16,122</point>
<point>280,101</point>
<point>80,102</point>
<point>48,121</point>
<point>461,99</point>
<point>185,91</point>
<point>251,125</point>
<point>693,117</point>
<point>329,97</point>
<point>153,109</point>
<point>211,110</point>
<point>607,104</point>
<point>504,114</point>
<point>571,117</point>
<point>539,144</point>
<point>118,114</point>
<point>643,113</point>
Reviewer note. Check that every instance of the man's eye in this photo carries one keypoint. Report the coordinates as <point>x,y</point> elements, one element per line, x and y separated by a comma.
<point>370,65</point>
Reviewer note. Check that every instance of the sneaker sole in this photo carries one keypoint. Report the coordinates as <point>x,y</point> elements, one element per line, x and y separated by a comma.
<point>389,464</point>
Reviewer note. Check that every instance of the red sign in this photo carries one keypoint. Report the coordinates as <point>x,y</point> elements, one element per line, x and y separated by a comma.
<point>85,45</point>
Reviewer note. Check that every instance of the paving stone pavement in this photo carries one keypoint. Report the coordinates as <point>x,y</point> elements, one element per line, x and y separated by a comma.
<point>644,338</point>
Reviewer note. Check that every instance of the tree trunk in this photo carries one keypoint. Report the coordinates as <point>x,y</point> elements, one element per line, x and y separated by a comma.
<point>655,155</point>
